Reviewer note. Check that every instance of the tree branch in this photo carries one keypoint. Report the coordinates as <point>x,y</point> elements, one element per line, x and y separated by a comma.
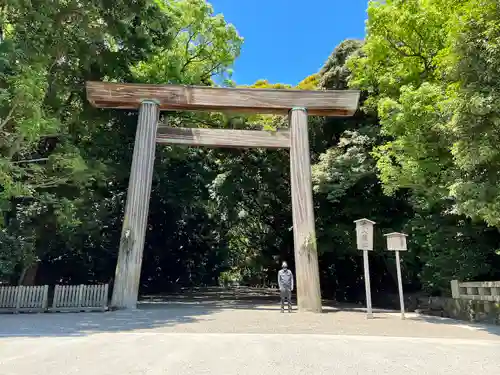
<point>8,117</point>
<point>30,161</point>
<point>53,183</point>
<point>209,73</point>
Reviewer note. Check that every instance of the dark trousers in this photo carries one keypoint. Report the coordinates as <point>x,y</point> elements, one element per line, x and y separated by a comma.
<point>286,294</point>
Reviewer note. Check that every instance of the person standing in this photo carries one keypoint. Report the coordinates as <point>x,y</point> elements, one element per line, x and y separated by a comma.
<point>285,284</point>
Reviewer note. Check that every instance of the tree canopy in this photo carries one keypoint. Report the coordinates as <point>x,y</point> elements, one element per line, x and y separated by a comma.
<point>419,156</point>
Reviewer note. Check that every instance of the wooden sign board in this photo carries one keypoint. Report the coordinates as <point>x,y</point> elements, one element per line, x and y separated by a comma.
<point>364,234</point>
<point>396,241</point>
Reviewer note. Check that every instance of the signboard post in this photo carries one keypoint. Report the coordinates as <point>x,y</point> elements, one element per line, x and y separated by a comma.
<point>397,242</point>
<point>364,240</point>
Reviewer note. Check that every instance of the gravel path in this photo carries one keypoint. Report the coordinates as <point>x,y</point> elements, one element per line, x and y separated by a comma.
<point>211,318</point>
<point>136,353</point>
<point>207,336</point>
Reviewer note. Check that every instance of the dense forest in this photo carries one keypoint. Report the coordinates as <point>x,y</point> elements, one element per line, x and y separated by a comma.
<point>420,156</point>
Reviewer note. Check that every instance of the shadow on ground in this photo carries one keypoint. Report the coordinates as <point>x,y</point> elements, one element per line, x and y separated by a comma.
<point>489,328</point>
<point>186,307</point>
<point>152,312</point>
<point>147,316</point>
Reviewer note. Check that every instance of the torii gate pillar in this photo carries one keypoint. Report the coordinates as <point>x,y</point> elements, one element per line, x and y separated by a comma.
<point>128,268</point>
<point>304,236</point>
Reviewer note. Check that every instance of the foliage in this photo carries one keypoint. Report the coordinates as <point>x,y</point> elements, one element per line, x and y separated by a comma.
<point>433,76</point>
<point>335,73</point>
<point>421,66</point>
<point>47,52</point>
<point>475,124</point>
<point>308,83</point>
<point>204,47</point>
<point>419,156</point>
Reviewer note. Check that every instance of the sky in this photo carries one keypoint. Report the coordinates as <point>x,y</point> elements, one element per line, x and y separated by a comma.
<point>288,40</point>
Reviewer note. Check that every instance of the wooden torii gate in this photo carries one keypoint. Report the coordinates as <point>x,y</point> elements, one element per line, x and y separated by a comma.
<point>151,99</point>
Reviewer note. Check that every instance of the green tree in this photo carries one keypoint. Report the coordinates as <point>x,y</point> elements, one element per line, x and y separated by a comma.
<point>414,67</point>
<point>430,70</point>
<point>474,126</point>
<point>203,49</point>
<point>47,51</point>
<point>70,157</point>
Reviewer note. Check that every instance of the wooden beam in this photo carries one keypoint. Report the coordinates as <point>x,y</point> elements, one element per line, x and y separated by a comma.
<point>223,137</point>
<point>304,236</point>
<point>199,98</point>
<point>128,267</point>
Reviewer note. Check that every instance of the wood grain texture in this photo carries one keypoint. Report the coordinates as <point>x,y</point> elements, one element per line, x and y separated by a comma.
<point>368,288</point>
<point>228,138</point>
<point>304,236</point>
<point>400,286</point>
<point>199,98</point>
<point>128,268</point>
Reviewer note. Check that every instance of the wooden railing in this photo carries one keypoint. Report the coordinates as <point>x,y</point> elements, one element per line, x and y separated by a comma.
<point>23,298</point>
<point>14,299</point>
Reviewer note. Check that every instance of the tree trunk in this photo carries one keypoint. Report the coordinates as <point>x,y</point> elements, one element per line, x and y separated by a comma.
<point>28,276</point>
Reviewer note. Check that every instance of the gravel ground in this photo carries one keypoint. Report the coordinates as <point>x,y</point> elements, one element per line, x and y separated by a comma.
<point>224,336</point>
<point>246,354</point>
<point>213,318</point>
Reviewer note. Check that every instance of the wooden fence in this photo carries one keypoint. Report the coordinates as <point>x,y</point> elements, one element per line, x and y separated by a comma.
<point>23,298</point>
<point>14,299</point>
<point>80,298</point>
